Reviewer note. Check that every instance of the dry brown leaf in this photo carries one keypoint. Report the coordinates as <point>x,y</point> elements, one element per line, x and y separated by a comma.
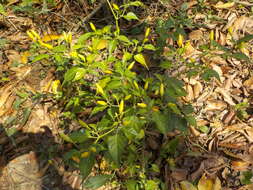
<point>240,165</point>
<point>221,5</point>
<point>190,94</point>
<point>197,89</point>
<point>215,105</point>
<point>226,95</point>
<point>249,83</point>
<point>244,24</point>
<point>196,35</point>
<point>21,72</point>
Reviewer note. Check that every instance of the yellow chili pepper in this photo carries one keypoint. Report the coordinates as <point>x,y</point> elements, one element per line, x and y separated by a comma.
<point>142,105</point>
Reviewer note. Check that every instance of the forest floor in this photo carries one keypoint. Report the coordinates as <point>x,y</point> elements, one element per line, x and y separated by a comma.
<point>219,147</point>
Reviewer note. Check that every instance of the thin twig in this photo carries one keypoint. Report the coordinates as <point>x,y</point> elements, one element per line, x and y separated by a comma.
<point>88,17</point>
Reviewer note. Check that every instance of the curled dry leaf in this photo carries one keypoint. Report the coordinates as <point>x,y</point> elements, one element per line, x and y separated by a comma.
<point>190,94</point>
<point>196,35</point>
<point>197,89</point>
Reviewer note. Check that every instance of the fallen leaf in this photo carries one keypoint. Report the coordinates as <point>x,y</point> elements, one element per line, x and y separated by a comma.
<point>226,95</point>
<point>213,105</point>
<point>240,165</point>
<point>221,5</point>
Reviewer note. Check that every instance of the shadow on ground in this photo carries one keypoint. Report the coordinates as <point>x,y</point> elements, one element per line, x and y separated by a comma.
<point>24,163</point>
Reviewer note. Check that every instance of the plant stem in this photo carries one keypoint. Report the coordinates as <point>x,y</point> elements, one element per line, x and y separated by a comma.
<point>115,17</point>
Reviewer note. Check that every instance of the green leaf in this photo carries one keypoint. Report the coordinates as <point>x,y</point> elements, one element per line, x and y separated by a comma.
<point>78,137</point>
<point>112,46</point>
<point>80,72</point>
<point>246,38</point>
<point>175,88</point>
<point>130,16</point>
<point>174,108</point>
<point>136,3</point>
<point>209,73</point>
<point>97,109</point>
<point>151,185</point>
<point>149,47</point>
<point>246,177</point>
<point>124,39</point>
<point>2,10</point>
<point>84,37</point>
<point>95,182</point>
<point>171,146</point>
<point>161,121</point>
<point>191,120</point>
<point>116,145</point>
<point>131,184</point>
<point>140,59</point>
<point>187,109</point>
<point>240,56</point>
<point>114,84</point>
<point>86,165</point>
<point>66,138</point>
<point>26,115</point>
<point>74,74</point>
<point>40,57</point>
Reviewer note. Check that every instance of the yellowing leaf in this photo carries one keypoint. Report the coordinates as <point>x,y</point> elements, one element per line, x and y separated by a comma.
<point>221,5</point>
<point>99,89</point>
<point>102,44</point>
<point>50,37</point>
<point>185,185</point>
<point>205,184</point>
<point>140,59</point>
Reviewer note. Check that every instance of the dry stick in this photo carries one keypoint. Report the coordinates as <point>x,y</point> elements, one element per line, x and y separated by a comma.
<point>88,17</point>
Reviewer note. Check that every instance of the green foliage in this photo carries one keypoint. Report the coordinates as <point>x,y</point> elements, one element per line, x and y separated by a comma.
<point>107,72</point>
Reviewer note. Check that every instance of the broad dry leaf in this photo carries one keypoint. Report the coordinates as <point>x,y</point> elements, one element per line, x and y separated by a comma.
<point>215,105</point>
<point>240,165</point>
<point>205,183</point>
<point>226,95</point>
<point>196,35</point>
<point>190,94</point>
<point>197,89</point>
<point>185,185</point>
<point>249,83</point>
<point>221,5</point>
